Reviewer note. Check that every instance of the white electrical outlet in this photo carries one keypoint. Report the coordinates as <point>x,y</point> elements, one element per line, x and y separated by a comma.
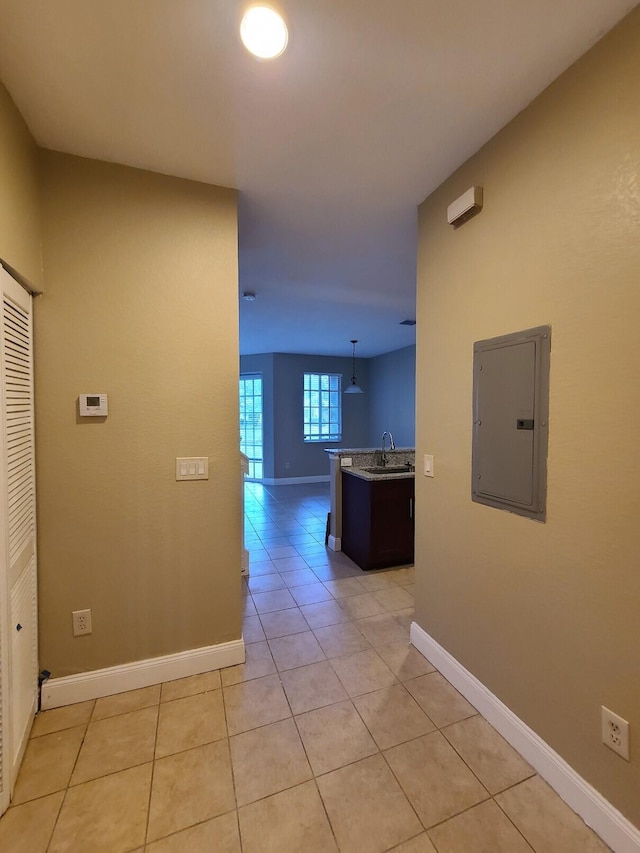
<point>615,733</point>
<point>81,622</point>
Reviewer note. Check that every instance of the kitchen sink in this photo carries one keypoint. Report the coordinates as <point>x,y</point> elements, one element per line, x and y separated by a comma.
<point>388,469</point>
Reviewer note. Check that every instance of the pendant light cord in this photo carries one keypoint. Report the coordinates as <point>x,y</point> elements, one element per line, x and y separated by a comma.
<point>353,364</point>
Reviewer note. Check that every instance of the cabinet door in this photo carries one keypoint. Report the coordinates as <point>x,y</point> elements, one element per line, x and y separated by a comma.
<point>392,526</point>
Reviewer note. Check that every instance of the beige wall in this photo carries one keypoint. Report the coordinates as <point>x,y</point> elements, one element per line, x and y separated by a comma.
<point>140,302</point>
<point>547,616</point>
<point>19,208</point>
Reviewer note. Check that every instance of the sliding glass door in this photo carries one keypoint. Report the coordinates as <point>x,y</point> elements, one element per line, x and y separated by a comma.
<point>251,422</point>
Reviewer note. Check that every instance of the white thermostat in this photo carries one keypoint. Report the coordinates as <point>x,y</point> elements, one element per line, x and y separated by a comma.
<point>93,405</point>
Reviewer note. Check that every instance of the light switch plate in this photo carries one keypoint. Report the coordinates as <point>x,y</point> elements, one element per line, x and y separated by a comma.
<point>428,466</point>
<point>192,468</point>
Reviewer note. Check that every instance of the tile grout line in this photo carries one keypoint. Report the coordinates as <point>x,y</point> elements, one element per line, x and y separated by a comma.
<point>231,765</point>
<point>153,771</point>
<point>68,785</point>
<point>508,816</point>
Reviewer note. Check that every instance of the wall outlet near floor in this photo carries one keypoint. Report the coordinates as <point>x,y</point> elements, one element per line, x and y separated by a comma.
<point>615,733</point>
<point>81,622</point>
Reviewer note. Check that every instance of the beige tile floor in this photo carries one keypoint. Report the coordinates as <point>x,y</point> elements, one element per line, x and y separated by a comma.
<point>335,735</point>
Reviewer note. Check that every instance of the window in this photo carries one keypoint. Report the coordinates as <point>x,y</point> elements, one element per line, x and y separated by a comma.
<point>251,422</point>
<point>321,407</point>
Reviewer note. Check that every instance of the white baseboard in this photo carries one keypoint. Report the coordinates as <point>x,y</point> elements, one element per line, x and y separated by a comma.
<point>612,826</point>
<point>334,543</point>
<point>142,673</point>
<point>293,481</point>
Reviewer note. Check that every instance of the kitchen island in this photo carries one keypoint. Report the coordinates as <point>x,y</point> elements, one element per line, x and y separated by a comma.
<point>357,461</point>
<point>377,517</point>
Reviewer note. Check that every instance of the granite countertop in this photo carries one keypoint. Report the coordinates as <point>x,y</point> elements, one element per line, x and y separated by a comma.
<point>391,475</point>
<point>362,458</point>
<point>350,451</point>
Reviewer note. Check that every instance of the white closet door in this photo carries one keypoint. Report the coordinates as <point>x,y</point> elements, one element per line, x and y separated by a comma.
<point>18,631</point>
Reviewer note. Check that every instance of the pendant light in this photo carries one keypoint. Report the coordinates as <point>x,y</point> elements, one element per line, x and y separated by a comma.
<point>354,388</point>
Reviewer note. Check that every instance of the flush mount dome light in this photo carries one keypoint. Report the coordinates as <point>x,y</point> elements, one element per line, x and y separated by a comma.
<point>263,32</point>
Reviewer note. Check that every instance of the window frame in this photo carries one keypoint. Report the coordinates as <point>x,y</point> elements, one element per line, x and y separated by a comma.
<point>329,409</point>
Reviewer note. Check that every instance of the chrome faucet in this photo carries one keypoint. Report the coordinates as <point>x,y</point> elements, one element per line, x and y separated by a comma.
<point>392,445</point>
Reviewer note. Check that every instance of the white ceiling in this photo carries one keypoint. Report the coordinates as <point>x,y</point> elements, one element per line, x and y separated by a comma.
<point>332,146</point>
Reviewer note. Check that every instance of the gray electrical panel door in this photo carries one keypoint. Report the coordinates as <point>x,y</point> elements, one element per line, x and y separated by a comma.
<point>510,421</point>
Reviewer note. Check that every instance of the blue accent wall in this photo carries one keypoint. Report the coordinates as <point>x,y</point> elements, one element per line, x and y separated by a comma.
<point>392,397</point>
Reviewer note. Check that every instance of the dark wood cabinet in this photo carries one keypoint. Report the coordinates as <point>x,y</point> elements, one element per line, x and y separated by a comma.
<point>377,521</point>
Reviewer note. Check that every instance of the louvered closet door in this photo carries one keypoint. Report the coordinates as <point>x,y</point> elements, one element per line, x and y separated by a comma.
<point>18,638</point>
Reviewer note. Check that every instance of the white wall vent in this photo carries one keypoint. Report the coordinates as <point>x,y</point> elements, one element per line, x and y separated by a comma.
<point>465,207</point>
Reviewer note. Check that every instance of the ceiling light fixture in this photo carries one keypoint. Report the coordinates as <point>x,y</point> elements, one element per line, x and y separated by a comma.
<point>354,388</point>
<point>248,296</point>
<point>263,32</point>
